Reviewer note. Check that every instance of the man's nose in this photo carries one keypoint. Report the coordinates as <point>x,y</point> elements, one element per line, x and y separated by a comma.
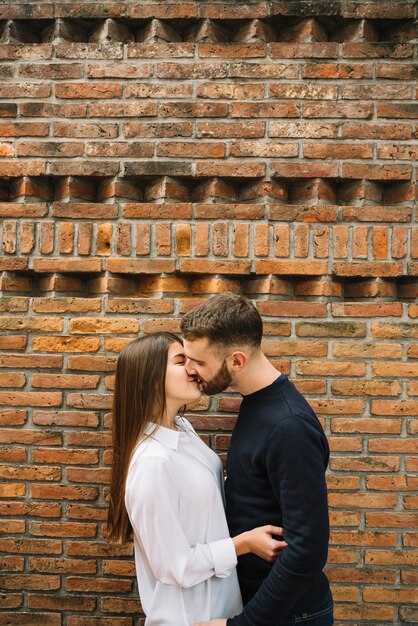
<point>190,368</point>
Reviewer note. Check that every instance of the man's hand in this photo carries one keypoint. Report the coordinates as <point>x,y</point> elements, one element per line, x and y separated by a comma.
<point>213,622</point>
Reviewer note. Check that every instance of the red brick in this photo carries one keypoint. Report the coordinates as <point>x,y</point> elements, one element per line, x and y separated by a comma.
<point>144,90</point>
<point>358,613</point>
<point>304,268</point>
<point>355,130</point>
<point>364,309</point>
<point>286,308</point>
<point>119,149</point>
<point>234,91</point>
<point>310,130</point>
<point>368,350</point>
<point>12,490</point>
<point>366,464</point>
<point>317,287</point>
<point>31,398</point>
<point>14,209</point>
<point>338,110</point>
<point>12,379</point>
<point>390,91</point>
<point>84,129</point>
<point>13,417</point>
<point>193,109</point>
<point>91,9</point>
<point>337,150</point>
<point>264,70</point>
<point>299,348</point>
<point>363,575</point>
<point>13,342</point>
<point>308,91</point>
<point>258,149</point>
<point>336,70</point>
<point>62,529</point>
<point>96,548</point>
<point>63,603</point>
<point>65,344</point>
<point>230,130</point>
<point>376,172</point>
<point>241,240</point>
<point>22,168</point>
<point>36,619</point>
<point>368,269</point>
<point>83,168</point>
<point>189,149</point>
<point>332,368</point>
<point>163,50</point>
<point>376,594</point>
<point>395,407</point>
<point>305,170</point>
<point>365,425</point>
<point>341,555</point>
<point>51,71</point>
<point>99,621</point>
<point>290,50</point>
<point>67,265</point>
<point>6,149</point>
<point>405,152</point>
<point>232,50</point>
<point>370,10</point>
<point>361,538</point>
<point>212,266</point>
<point>87,584</point>
<point>71,50</point>
<point>363,501</point>
<point>393,330</point>
<point>43,109</point>
<point>154,129</point>
<point>395,369</point>
<point>25,90</point>
<point>397,110</point>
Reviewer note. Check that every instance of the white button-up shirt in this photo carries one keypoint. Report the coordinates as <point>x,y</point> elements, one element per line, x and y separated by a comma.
<point>185,559</point>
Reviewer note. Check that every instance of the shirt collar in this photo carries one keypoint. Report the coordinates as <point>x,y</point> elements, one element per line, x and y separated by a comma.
<point>167,436</point>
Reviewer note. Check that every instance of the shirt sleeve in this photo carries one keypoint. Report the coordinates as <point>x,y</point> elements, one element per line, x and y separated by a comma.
<point>152,500</point>
<point>296,458</point>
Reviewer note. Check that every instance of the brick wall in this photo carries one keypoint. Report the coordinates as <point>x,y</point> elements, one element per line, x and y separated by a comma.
<point>156,153</point>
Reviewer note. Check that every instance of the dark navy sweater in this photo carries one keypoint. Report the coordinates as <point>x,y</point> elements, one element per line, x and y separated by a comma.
<point>276,475</point>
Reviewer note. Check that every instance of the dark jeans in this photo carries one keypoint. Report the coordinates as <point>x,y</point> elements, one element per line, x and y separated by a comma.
<point>322,617</point>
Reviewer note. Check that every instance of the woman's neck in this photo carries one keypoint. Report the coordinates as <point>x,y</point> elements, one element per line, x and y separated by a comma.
<point>169,421</point>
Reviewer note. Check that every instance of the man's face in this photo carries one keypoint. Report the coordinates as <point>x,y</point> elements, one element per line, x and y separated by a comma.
<point>204,362</point>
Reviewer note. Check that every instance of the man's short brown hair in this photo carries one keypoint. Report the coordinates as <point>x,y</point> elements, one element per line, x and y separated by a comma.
<point>226,319</point>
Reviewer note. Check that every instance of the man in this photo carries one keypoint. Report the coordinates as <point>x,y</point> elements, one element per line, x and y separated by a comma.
<point>276,466</point>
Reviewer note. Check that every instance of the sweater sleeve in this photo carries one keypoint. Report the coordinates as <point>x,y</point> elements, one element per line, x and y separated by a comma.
<point>296,458</point>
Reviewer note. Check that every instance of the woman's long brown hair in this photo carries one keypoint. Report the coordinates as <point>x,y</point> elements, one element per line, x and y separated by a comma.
<point>139,398</point>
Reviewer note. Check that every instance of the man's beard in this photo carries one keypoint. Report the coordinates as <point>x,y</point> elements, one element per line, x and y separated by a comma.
<point>219,382</point>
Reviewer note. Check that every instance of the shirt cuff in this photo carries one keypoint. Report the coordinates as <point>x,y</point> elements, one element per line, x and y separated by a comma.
<point>224,556</point>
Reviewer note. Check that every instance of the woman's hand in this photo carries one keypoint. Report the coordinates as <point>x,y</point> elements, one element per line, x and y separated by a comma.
<point>213,622</point>
<point>263,541</point>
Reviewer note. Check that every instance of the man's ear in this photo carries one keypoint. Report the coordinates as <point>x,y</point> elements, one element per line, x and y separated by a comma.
<point>237,360</point>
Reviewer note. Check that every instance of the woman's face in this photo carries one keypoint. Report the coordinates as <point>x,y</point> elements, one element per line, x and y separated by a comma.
<point>180,388</point>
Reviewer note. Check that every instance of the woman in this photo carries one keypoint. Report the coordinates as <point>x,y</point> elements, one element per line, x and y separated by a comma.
<point>167,487</point>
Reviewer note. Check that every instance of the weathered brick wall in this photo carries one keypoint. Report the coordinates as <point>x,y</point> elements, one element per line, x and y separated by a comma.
<point>156,153</point>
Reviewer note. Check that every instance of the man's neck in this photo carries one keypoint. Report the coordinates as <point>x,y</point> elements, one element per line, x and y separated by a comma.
<point>258,374</point>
